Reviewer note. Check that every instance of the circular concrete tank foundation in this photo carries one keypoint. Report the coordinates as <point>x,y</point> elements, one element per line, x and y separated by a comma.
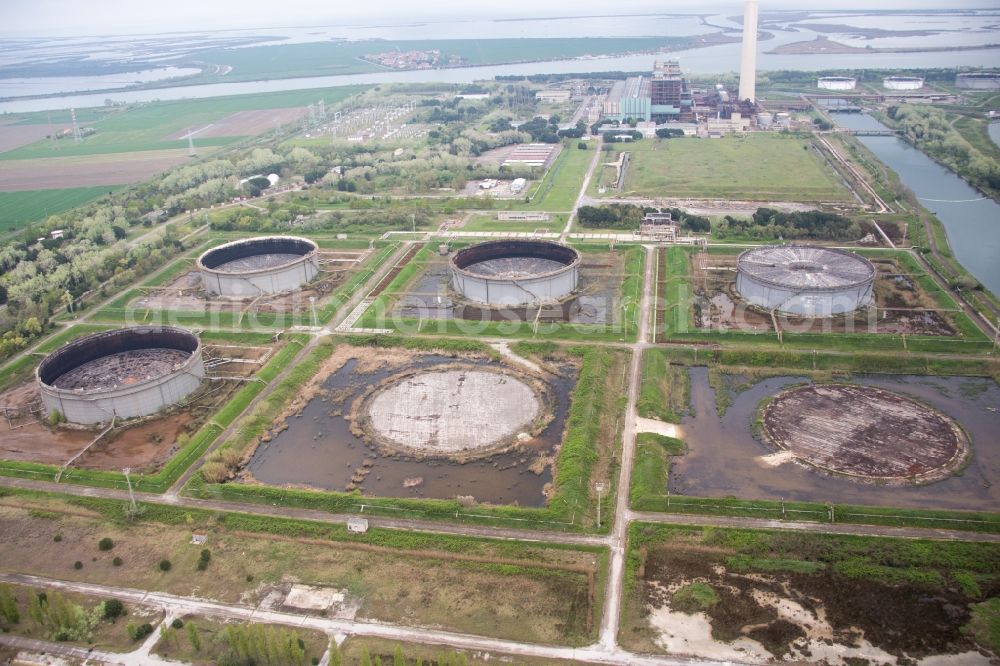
<point>865,432</point>
<point>252,267</point>
<point>457,412</point>
<point>123,373</point>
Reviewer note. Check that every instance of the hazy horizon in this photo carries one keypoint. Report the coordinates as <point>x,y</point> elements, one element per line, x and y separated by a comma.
<point>62,18</point>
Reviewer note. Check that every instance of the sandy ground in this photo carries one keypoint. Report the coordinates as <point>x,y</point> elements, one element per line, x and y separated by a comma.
<point>242,123</point>
<point>87,170</point>
<point>655,426</point>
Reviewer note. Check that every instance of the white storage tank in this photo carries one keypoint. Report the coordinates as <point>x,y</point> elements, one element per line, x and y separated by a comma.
<point>515,272</point>
<point>805,280</point>
<point>836,83</point>
<point>902,83</point>
<point>123,373</point>
<point>251,267</point>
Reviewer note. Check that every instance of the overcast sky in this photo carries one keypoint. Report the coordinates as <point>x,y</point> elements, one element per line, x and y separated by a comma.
<point>41,18</point>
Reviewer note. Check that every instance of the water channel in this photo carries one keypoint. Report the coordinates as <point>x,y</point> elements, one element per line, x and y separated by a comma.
<point>971,220</point>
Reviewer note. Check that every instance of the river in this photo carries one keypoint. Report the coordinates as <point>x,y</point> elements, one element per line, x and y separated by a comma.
<point>700,61</point>
<point>971,221</point>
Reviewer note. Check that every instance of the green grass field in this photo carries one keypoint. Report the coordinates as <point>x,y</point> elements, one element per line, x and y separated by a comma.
<point>757,167</point>
<point>21,208</point>
<point>489,222</point>
<point>145,126</point>
<point>561,184</point>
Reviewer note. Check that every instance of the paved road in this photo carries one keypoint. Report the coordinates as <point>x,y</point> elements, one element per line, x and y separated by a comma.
<point>177,605</point>
<point>582,196</point>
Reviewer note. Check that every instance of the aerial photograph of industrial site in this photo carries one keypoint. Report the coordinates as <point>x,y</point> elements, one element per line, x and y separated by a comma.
<point>523,333</point>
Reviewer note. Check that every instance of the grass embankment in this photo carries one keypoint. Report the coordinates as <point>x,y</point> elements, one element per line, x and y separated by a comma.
<point>756,167</point>
<point>729,574</point>
<point>665,392</point>
<point>588,448</point>
<point>652,468</point>
<point>505,589</point>
<point>489,222</point>
<point>190,451</point>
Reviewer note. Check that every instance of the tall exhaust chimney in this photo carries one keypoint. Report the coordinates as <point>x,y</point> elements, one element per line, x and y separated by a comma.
<point>748,60</point>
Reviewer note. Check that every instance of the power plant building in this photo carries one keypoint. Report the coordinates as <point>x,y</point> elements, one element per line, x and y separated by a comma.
<point>664,96</point>
<point>804,280</point>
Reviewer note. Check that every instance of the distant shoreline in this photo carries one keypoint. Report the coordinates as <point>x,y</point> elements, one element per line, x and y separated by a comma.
<point>824,45</point>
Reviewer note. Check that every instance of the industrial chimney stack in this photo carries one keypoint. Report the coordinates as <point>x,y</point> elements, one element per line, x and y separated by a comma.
<point>748,61</point>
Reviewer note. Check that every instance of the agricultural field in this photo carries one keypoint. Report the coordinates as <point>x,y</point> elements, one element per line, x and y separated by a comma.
<point>22,208</point>
<point>757,167</point>
<point>161,126</point>
<point>104,169</point>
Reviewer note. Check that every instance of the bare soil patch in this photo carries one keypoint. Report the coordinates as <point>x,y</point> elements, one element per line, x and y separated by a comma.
<point>242,123</point>
<point>15,136</point>
<point>86,171</point>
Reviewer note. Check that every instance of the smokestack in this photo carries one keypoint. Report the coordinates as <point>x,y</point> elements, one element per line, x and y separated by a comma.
<point>748,61</point>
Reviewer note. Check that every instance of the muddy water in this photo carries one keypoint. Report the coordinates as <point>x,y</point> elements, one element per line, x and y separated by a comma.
<point>724,457</point>
<point>319,450</point>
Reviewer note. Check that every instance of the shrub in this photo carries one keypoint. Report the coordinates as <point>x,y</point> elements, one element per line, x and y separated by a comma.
<point>112,609</point>
<point>57,538</point>
<point>165,565</point>
<point>694,597</point>
<point>78,564</point>
<point>138,632</point>
<point>177,623</point>
<point>117,561</point>
<point>206,555</point>
<point>55,417</point>
<point>105,544</point>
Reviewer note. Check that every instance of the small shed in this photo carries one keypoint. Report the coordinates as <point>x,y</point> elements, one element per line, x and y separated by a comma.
<point>357,525</point>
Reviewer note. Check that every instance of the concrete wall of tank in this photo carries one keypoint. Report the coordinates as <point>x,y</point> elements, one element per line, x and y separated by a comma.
<point>80,406</point>
<point>508,292</point>
<point>803,302</point>
<point>977,82</point>
<point>250,284</point>
<point>902,84</point>
<point>836,84</point>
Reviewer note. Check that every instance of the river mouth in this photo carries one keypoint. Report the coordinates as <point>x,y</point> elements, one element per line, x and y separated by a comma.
<point>726,458</point>
<point>329,443</point>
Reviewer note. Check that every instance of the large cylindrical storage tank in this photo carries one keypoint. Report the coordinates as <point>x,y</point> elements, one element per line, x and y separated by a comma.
<point>515,272</point>
<point>251,267</point>
<point>902,83</point>
<point>123,373</point>
<point>836,83</point>
<point>978,80</point>
<point>804,280</point>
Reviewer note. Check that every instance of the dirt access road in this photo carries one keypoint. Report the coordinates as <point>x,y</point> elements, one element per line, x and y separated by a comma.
<point>178,606</point>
